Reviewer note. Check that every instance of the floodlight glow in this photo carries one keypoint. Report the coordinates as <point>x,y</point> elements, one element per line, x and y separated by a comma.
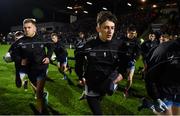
<point>129,4</point>
<point>154,6</point>
<point>143,0</point>
<point>85,12</point>
<point>104,8</point>
<point>69,7</point>
<point>90,3</point>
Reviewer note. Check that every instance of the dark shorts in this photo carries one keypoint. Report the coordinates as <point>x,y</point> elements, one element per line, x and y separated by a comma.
<point>20,69</point>
<point>35,75</point>
<point>131,65</point>
<point>62,60</point>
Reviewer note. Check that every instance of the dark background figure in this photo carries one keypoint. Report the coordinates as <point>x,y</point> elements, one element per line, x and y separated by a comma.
<point>80,40</point>
<point>132,50</point>
<point>162,80</point>
<point>79,44</point>
<point>61,55</point>
<point>20,70</point>
<point>148,46</point>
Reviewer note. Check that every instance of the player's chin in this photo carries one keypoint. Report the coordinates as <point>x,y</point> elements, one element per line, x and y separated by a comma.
<point>109,38</point>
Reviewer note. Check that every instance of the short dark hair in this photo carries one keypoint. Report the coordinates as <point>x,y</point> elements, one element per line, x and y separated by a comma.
<point>29,20</point>
<point>54,34</point>
<point>152,32</point>
<point>104,16</point>
<point>131,28</point>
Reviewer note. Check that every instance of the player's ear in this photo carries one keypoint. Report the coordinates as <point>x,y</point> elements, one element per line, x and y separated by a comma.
<point>97,28</point>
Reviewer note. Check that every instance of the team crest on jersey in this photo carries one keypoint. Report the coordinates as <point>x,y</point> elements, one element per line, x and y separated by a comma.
<point>127,43</point>
<point>92,54</point>
<point>24,46</point>
<point>42,46</point>
<point>105,54</point>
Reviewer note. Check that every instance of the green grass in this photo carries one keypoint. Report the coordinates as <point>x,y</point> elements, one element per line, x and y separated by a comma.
<point>63,95</point>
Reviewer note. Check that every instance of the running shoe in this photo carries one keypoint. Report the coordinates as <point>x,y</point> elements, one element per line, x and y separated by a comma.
<point>45,97</point>
<point>64,78</point>
<point>18,82</point>
<point>125,93</point>
<point>83,96</point>
<point>70,70</point>
<point>25,85</point>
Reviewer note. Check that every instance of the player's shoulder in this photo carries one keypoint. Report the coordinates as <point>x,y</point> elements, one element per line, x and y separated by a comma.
<point>168,46</point>
<point>91,42</point>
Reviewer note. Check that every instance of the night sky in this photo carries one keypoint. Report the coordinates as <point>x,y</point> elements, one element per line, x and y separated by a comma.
<point>14,11</point>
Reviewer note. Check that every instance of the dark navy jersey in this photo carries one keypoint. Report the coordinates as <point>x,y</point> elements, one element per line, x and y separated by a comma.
<point>163,69</point>
<point>14,57</point>
<point>79,42</point>
<point>12,50</point>
<point>97,60</point>
<point>131,48</point>
<point>131,51</point>
<point>60,50</point>
<point>147,46</point>
<point>34,50</point>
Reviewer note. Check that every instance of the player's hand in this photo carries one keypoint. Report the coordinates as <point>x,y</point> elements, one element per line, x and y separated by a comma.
<point>23,62</point>
<point>64,68</point>
<point>82,82</point>
<point>118,79</point>
<point>46,60</point>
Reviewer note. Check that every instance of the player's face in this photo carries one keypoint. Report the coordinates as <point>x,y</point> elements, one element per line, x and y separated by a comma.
<point>81,35</point>
<point>106,30</point>
<point>131,34</point>
<point>54,38</point>
<point>29,29</point>
<point>152,37</point>
<point>163,39</point>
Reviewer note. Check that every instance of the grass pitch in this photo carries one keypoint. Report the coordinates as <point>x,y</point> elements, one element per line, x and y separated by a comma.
<point>64,94</point>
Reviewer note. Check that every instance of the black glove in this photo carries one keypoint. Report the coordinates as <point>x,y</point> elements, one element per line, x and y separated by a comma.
<point>156,106</point>
<point>147,104</point>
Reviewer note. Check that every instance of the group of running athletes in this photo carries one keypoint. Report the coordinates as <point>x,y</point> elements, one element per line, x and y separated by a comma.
<point>100,63</point>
